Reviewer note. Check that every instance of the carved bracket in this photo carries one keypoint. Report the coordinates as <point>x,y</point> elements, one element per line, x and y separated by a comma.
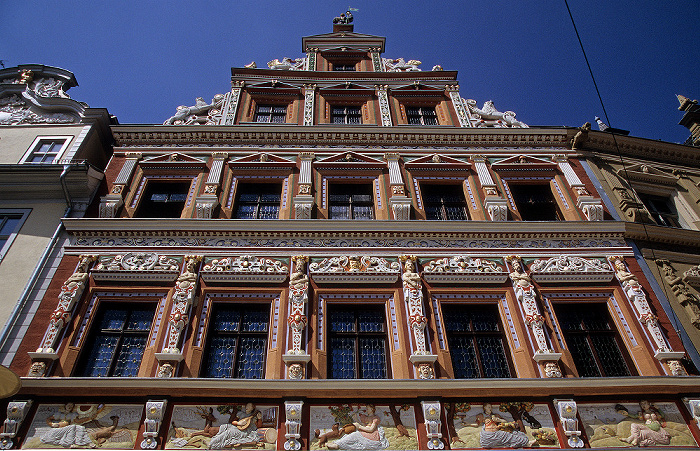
<point>433,424</point>
<point>16,412</point>
<point>154,418</point>
<point>566,408</point>
<point>293,425</point>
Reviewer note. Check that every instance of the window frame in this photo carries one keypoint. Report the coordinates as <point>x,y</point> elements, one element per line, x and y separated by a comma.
<point>371,203</point>
<point>271,114</point>
<point>457,187</point>
<point>510,182</point>
<point>37,143</point>
<point>23,214</point>
<point>333,106</point>
<point>237,202</point>
<point>421,116</point>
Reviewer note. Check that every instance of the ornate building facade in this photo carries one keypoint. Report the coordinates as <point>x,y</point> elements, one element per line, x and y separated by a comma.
<point>343,252</point>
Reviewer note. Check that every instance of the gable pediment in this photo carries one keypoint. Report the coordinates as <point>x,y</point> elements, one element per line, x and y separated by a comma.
<point>262,161</point>
<point>173,160</point>
<point>349,158</point>
<point>648,174</point>
<point>523,162</point>
<point>438,162</point>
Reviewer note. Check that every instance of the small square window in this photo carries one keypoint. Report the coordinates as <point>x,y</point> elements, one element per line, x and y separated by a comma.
<point>45,151</point>
<point>346,115</point>
<point>276,114</point>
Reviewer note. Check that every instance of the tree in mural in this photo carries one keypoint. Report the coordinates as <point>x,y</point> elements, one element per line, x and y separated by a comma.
<point>452,410</point>
<point>395,415</point>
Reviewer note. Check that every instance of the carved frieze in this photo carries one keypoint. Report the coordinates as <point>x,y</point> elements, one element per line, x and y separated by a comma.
<point>139,266</point>
<point>355,269</point>
<point>570,268</point>
<point>462,268</point>
<point>244,268</point>
<point>15,111</point>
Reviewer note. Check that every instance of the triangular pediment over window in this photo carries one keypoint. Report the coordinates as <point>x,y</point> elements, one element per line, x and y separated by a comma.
<point>174,161</point>
<point>349,158</point>
<point>263,161</point>
<point>647,173</point>
<point>437,161</point>
<point>521,162</point>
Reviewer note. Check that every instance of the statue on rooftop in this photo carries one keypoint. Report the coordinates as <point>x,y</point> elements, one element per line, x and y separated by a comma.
<point>344,19</point>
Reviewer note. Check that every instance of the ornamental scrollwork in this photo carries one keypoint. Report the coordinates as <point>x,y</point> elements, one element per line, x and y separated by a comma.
<point>345,264</point>
<point>462,264</point>
<point>569,263</point>
<point>246,264</point>
<point>137,261</point>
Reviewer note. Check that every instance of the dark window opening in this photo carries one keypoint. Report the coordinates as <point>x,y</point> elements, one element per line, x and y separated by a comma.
<point>357,342</point>
<point>117,339</point>
<point>351,202</point>
<point>344,67</point>
<point>535,202</point>
<point>662,209</point>
<point>476,340</point>
<point>421,116</point>
<point>444,202</point>
<point>346,115</point>
<point>271,113</point>
<point>237,341</point>
<point>592,340</point>
<point>9,224</point>
<point>258,201</point>
<point>163,199</point>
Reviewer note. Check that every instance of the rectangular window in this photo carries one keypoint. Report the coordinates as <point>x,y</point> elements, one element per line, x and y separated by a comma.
<point>662,209</point>
<point>421,116</point>
<point>10,223</point>
<point>592,340</point>
<point>351,201</point>
<point>164,199</point>
<point>271,113</point>
<point>357,339</point>
<point>45,151</point>
<point>444,202</point>
<point>535,202</point>
<point>116,341</point>
<point>476,341</point>
<point>344,67</point>
<point>237,341</point>
<point>346,115</point>
<point>258,201</point>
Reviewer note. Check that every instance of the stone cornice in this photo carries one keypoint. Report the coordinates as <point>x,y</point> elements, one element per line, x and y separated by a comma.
<point>330,389</point>
<point>649,149</point>
<point>158,135</point>
<point>666,235</point>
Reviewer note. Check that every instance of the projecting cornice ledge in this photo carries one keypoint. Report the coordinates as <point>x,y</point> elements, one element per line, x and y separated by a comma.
<point>665,235</point>
<point>352,389</point>
<point>650,149</point>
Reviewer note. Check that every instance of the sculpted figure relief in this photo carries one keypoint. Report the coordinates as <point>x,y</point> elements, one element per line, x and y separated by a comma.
<point>185,113</point>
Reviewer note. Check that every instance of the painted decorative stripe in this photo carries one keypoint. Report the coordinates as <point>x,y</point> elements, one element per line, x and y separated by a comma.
<point>378,193</point>
<point>509,196</point>
<point>159,320</point>
<point>471,195</point>
<point>321,321</point>
<point>394,324</point>
<point>561,195</point>
<point>557,332</point>
<point>275,321</point>
<point>285,186</point>
<point>623,321</point>
<point>438,323</point>
<point>324,191</point>
<point>511,326</point>
<point>83,324</point>
<point>202,321</point>
<point>229,201</point>
<point>415,185</point>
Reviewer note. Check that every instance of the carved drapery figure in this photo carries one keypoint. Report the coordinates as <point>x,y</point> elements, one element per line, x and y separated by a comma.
<point>681,291</point>
<point>298,296</point>
<point>186,115</point>
<point>489,116</point>
<point>400,65</point>
<point>287,64</point>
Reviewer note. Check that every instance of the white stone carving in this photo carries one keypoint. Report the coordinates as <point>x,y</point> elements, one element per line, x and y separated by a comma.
<point>694,407</point>
<point>309,95</point>
<point>15,111</point>
<point>292,411</point>
<point>298,297</point>
<point>497,208</point>
<point>198,113</point>
<point>110,205</point>
<point>489,116</point>
<point>413,296</point>
<point>303,205</point>
<point>462,268</point>
<point>179,313</point>
<point>287,64</point>
<point>204,205</point>
<point>400,65</point>
<point>570,268</point>
<point>400,207</point>
<point>384,110</point>
<point>16,412</point>
<point>355,269</point>
<point>681,291</point>
<point>566,408</point>
<point>591,207</point>
<point>458,103</point>
<point>244,268</point>
<point>151,425</point>
<point>141,266</point>
<point>433,423</point>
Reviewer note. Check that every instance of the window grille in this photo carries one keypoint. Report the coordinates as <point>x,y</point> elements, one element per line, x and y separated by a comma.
<point>351,201</point>
<point>357,339</point>
<point>164,199</point>
<point>535,202</point>
<point>258,201</point>
<point>46,151</point>
<point>421,116</point>
<point>271,114</point>
<point>346,115</point>
<point>444,202</point>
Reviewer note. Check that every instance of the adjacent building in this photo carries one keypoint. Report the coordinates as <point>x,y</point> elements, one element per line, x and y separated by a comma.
<point>342,251</point>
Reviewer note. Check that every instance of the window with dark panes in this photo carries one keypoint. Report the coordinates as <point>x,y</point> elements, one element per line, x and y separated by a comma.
<point>535,202</point>
<point>9,225</point>
<point>592,340</point>
<point>352,201</point>
<point>237,341</point>
<point>258,201</point>
<point>476,341</point>
<point>46,151</point>
<point>163,199</point>
<point>662,209</point>
<point>346,115</point>
<point>117,339</point>
<point>357,342</point>
<point>444,202</point>
<point>344,67</point>
<point>271,113</point>
<point>421,116</point>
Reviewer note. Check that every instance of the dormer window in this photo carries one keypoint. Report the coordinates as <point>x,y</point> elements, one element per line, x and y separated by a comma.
<point>276,114</point>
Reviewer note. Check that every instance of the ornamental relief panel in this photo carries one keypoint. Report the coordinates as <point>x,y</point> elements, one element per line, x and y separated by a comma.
<point>245,268</point>
<point>462,268</point>
<point>355,268</point>
<point>141,266</point>
<point>569,268</point>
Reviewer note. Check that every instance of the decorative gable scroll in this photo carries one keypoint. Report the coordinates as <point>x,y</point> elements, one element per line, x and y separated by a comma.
<point>246,268</point>
<point>355,269</point>
<point>462,268</point>
<point>568,268</point>
<point>137,266</point>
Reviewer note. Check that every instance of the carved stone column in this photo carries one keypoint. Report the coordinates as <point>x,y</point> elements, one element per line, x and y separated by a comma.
<point>304,200</point>
<point>309,97</point>
<point>495,205</point>
<point>399,202</point>
<point>231,101</point>
<point>71,292</point>
<point>112,202</point>
<point>207,202</point>
<point>635,294</point>
<point>566,408</point>
<point>376,60</point>
<point>433,424</point>
<point>592,207</point>
<point>458,104</point>
<point>183,298</point>
<point>296,358</point>
<point>310,63</point>
<point>292,424</point>
<point>155,409</point>
<point>384,110</point>
<point>527,296</point>
<point>16,412</point>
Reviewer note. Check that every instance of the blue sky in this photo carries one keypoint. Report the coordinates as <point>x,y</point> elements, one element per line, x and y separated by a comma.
<point>141,59</point>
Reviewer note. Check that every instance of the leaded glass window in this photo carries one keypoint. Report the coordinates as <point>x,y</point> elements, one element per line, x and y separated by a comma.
<point>444,202</point>
<point>351,201</point>
<point>476,341</point>
<point>117,340</point>
<point>164,199</point>
<point>346,115</point>
<point>258,201</point>
<point>271,113</point>
<point>237,341</point>
<point>357,342</point>
<point>421,116</point>
<point>592,340</point>
<point>535,202</point>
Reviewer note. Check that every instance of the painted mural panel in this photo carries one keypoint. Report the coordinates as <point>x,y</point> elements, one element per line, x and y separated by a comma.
<point>84,426</point>
<point>500,425</point>
<point>630,424</point>
<point>365,426</point>
<point>239,426</point>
